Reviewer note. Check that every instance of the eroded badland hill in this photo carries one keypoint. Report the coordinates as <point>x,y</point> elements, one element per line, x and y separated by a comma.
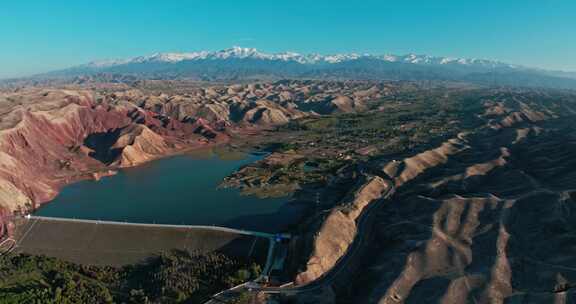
<point>415,193</point>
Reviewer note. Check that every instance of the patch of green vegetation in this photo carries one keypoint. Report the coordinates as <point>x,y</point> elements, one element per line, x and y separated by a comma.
<point>176,277</point>
<point>279,147</point>
<point>277,179</point>
<point>270,191</point>
<point>243,298</point>
<point>410,120</point>
<point>405,124</point>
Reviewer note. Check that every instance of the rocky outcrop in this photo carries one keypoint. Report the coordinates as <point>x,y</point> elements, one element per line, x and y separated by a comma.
<point>474,219</point>
<point>344,104</point>
<point>38,146</point>
<point>49,138</point>
<point>513,111</point>
<point>411,167</point>
<point>5,224</point>
<point>483,221</point>
<point>263,104</point>
<point>138,144</point>
<point>339,229</point>
<point>449,249</point>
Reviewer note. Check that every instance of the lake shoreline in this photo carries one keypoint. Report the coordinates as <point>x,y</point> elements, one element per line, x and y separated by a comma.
<point>178,196</point>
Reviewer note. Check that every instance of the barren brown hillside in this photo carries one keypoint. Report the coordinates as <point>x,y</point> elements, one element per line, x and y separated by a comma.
<point>416,195</point>
<point>484,218</point>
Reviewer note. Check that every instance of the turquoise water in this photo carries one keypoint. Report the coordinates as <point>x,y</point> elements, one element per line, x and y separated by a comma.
<point>176,190</point>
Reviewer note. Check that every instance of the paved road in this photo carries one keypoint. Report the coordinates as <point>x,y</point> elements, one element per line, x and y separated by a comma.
<point>364,222</point>
<point>228,295</point>
<point>6,246</point>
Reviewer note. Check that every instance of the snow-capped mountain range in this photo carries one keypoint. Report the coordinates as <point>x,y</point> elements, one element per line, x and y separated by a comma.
<point>251,53</point>
<point>239,64</point>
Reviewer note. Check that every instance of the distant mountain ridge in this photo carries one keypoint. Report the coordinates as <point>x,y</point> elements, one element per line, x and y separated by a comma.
<point>252,53</point>
<point>238,63</point>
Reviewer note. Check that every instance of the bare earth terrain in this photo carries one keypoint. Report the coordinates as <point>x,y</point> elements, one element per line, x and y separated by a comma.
<point>415,194</point>
<point>484,217</point>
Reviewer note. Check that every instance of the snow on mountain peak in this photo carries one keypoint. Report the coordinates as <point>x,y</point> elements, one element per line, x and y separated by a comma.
<point>237,52</point>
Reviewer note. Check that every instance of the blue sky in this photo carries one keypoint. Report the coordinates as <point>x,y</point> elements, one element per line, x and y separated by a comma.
<point>41,35</point>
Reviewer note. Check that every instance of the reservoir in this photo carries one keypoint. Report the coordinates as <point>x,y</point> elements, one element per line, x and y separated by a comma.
<point>182,189</point>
